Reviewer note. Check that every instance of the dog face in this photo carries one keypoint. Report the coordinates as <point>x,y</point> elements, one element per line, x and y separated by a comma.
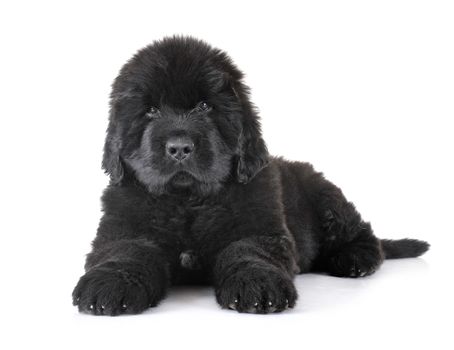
<point>181,119</point>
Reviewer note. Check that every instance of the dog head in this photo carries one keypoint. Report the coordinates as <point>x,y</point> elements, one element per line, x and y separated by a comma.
<point>181,118</point>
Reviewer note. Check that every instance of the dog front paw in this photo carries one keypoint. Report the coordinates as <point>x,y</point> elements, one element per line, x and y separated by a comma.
<point>114,289</point>
<point>256,290</point>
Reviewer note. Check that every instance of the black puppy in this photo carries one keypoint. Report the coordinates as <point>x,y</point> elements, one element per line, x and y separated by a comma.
<point>195,198</point>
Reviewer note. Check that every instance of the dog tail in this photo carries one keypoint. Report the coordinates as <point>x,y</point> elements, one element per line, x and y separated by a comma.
<point>403,248</point>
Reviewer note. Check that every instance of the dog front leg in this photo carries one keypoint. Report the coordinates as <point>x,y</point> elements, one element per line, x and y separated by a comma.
<point>122,276</point>
<point>255,275</point>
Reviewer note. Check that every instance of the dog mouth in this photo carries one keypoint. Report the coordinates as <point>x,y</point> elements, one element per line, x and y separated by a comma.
<point>182,179</point>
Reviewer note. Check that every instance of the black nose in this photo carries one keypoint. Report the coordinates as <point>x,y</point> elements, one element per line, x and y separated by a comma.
<point>179,148</point>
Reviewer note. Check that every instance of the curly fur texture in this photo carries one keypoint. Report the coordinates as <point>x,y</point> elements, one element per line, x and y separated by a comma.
<point>195,197</point>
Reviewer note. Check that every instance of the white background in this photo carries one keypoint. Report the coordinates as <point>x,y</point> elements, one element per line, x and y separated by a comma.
<point>363,90</point>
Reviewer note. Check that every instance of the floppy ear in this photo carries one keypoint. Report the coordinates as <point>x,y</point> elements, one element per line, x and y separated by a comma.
<point>111,162</point>
<point>252,152</point>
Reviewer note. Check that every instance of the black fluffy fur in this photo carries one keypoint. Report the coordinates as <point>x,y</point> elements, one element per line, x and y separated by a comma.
<point>228,214</point>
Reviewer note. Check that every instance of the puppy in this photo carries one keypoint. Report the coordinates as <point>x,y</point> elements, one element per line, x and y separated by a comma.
<point>194,196</point>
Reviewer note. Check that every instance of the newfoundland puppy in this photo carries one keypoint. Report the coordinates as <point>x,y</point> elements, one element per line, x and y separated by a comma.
<point>194,196</point>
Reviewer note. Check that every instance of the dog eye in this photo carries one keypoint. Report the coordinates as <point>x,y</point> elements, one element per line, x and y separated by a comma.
<point>152,112</point>
<point>203,106</point>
